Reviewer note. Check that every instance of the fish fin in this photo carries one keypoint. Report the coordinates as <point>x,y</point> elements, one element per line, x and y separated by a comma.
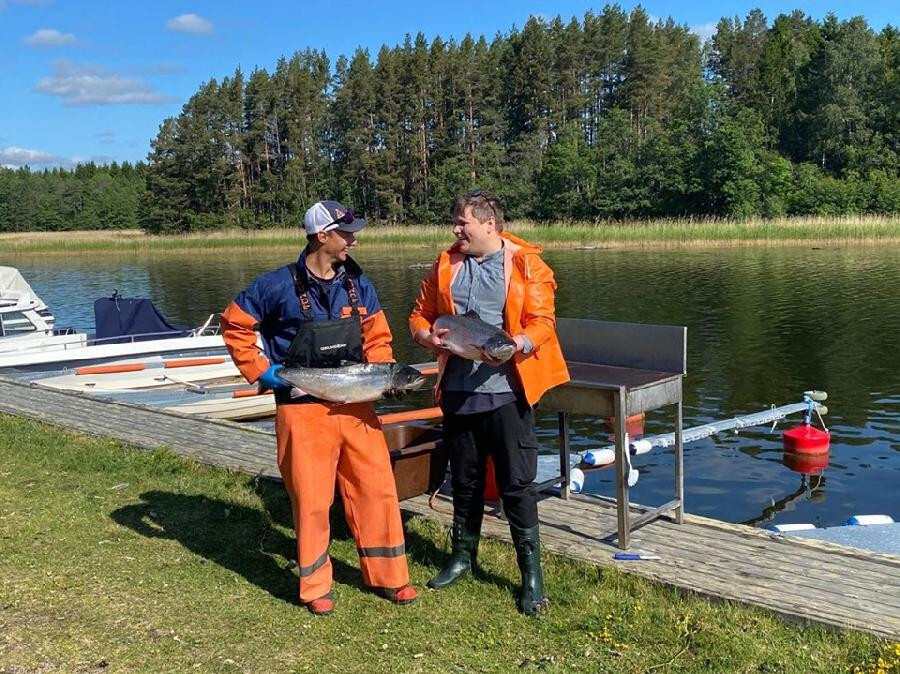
<point>471,313</point>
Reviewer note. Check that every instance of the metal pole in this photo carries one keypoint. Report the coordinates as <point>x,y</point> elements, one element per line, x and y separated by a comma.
<point>564,466</point>
<point>621,468</point>
<point>679,460</point>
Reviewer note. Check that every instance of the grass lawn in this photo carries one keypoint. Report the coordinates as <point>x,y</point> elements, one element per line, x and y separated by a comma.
<point>118,560</point>
<point>668,233</point>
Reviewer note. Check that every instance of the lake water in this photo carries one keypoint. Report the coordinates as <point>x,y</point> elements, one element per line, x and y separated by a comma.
<point>764,324</point>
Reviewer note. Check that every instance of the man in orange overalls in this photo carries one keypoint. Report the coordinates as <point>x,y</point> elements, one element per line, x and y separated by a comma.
<point>320,312</point>
<point>488,410</point>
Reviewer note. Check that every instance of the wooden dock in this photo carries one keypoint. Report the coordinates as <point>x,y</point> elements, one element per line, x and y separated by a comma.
<point>799,579</point>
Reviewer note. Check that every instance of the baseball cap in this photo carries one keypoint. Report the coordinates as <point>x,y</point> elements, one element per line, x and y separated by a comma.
<point>324,216</point>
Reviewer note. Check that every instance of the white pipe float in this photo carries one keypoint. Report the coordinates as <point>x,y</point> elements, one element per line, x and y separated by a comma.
<point>607,455</point>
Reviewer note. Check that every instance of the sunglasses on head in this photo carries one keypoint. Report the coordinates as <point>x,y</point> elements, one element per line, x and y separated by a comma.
<point>346,219</point>
<point>489,199</point>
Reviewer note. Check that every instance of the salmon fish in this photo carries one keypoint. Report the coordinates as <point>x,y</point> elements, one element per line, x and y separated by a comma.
<point>359,382</point>
<point>470,337</point>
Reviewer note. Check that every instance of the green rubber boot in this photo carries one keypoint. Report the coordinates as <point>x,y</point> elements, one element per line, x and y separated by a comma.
<point>462,558</point>
<point>528,554</point>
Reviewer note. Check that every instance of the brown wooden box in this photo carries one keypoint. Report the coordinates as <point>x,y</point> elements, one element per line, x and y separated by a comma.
<point>418,458</point>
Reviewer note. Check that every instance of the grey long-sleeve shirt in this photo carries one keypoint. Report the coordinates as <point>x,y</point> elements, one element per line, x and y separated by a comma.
<point>473,386</point>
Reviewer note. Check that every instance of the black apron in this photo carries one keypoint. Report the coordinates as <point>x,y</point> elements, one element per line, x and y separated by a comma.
<point>328,343</point>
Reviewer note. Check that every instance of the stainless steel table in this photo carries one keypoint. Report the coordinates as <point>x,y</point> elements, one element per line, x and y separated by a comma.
<point>619,370</point>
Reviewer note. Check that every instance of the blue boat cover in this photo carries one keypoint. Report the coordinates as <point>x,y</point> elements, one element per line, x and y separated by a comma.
<point>132,319</point>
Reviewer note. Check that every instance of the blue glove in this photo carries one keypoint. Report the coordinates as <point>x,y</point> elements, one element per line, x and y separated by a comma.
<point>270,380</point>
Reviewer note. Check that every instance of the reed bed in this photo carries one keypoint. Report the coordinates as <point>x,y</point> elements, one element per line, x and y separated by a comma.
<point>687,232</point>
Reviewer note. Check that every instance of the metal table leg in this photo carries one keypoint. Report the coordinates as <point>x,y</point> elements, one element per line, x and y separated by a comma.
<point>622,509</point>
<point>679,463</point>
<point>564,469</point>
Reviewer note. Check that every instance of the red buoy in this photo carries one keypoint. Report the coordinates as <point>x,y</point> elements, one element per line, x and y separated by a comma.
<point>491,492</point>
<point>807,464</point>
<point>806,439</point>
<point>634,426</point>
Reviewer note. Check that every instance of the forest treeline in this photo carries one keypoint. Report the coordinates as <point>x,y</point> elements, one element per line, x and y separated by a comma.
<point>614,116</point>
<point>86,197</point>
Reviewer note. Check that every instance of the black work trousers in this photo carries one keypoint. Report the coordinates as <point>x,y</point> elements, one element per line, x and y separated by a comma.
<point>507,435</point>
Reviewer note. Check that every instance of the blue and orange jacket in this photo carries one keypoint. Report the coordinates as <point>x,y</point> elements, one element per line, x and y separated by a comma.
<point>270,306</point>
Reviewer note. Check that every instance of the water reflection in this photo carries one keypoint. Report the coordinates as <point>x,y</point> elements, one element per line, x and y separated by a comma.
<point>763,326</point>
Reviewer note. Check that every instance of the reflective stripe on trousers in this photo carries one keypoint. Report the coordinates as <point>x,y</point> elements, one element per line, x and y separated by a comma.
<point>315,566</point>
<point>396,551</point>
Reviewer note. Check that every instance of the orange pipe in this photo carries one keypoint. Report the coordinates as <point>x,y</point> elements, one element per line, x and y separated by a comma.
<point>110,369</point>
<point>248,392</point>
<point>191,362</point>
<point>137,367</point>
<point>411,415</point>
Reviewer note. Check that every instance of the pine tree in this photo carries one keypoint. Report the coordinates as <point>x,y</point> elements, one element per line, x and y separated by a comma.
<point>353,133</point>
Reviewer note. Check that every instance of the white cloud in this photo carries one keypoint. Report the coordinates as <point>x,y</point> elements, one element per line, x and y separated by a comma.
<point>189,23</point>
<point>704,31</point>
<point>50,37</point>
<point>15,157</point>
<point>80,84</point>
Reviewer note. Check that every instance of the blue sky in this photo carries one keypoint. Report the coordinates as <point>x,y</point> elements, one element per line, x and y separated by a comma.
<point>83,79</point>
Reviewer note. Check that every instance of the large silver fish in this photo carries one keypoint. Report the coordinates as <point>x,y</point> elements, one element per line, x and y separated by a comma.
<point>355,383</point>
<point>470,337</point>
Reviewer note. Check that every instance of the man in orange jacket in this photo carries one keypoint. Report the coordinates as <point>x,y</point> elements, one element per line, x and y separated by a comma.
<point>319,312</point>
<point>488,410</point>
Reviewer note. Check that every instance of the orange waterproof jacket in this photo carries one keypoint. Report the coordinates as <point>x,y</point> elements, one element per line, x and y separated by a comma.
<point>529,309</point>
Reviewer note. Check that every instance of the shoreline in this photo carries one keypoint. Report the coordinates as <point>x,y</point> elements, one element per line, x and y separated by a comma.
<point>439,246</point>
<point>654,234</point>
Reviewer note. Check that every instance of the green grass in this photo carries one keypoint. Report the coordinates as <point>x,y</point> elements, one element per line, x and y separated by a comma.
<point>117,560</point>
<point>649,233</point>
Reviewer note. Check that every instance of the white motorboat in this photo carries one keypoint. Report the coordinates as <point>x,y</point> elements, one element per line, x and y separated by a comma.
<point>156,374</point>
<point>126,329</point>
<point>234,408</point>
<point>25,321</point>
<point>236,402</point>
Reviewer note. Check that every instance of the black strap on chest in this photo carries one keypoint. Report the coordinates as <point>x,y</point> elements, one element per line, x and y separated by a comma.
<point>301,288</point>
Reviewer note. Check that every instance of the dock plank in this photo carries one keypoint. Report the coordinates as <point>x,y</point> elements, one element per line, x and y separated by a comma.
<point>808,598</point>
<point>799,579</point>
<point>842,567</point>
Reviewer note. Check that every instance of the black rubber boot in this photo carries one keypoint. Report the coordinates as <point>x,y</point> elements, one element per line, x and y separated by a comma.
<point>528,554</point>
<point>464,538</point>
